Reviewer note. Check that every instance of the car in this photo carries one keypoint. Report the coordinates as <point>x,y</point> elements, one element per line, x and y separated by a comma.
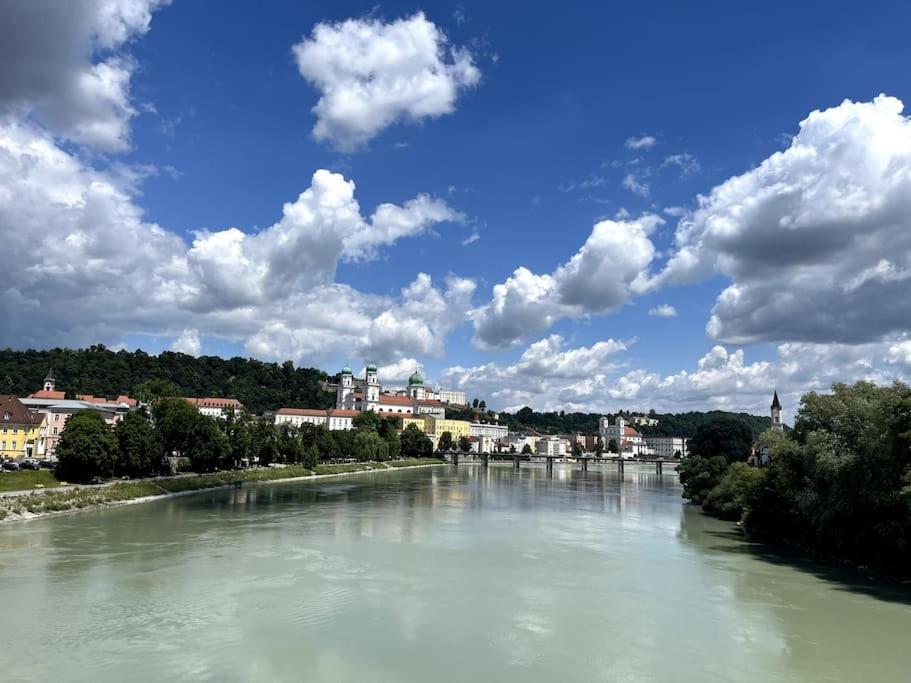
<point>47,464</point>
<point>11,466</point>
<point>28,464</point>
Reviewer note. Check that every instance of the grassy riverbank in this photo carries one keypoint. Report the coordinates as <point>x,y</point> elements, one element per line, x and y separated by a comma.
<point>26,479</point>
<point>30,505</point>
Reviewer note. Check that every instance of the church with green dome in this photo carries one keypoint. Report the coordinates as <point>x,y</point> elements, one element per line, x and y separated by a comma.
<point>367,393</point>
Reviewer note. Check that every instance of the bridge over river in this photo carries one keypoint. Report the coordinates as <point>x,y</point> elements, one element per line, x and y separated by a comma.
<point>584,460</point>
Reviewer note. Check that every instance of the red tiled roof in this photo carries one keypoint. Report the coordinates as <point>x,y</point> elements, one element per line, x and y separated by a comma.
<point>210,402</point>
<point>55,395</point>
<point>430,402</point>
<point>127,400</point>
<point>395,400</point>
<point>388,414</point>
<point>344,413</point>
<point>629,431</point>
<point>309,412</point>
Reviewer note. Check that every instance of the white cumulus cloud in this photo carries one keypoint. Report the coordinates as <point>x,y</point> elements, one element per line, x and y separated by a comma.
<point>64,64</point>
<point>641,142</point>
<point>663,311</point>
<point>816,239</point>
<point>372,74</point>
<point>598,279</point>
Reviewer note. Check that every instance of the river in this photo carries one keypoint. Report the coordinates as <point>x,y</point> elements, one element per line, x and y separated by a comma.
<point>442,574</point>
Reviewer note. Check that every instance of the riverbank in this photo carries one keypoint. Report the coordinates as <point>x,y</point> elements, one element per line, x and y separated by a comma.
<point>37,504</point>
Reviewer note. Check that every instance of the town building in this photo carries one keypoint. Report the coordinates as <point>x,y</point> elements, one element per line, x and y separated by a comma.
<point>434,427</point>
<point>368,394</point>
<point>643,421</point>
<point>53,410</point>
<point>551,445</point>
<point>216,407</point>
<point>630,443</point>
<point>667,446</point>
<point>493,431</point>
<point>332,419</point>
<point>19,429</point>
<point>515,443</point>
<point>455,398</point>
<point>483,444</point>
<point>587,442</point>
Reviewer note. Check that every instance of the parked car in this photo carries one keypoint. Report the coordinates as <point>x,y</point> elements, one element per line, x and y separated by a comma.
<point>11,466</point>
<point>48,464</point>
<point>28,464</point>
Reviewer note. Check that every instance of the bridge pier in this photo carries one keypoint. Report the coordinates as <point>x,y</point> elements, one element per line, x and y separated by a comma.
<point>585,464</point>
<point>550,464</point>
<point>620,465</point>
<point>484,459</point>
<point>516,462</point>
<point>658,467</point>
<point>455,459</point>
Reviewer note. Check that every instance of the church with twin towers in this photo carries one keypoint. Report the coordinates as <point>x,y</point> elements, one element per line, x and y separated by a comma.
<point>367,393</point>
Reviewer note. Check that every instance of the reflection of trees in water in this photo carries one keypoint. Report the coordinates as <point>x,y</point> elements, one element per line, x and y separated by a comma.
<point>835,623</point>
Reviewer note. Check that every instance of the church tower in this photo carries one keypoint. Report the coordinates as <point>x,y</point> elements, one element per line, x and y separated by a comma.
<point>49,381</point>
<point>372,391</point>
<point>776,414</point>
<point>344,393</point>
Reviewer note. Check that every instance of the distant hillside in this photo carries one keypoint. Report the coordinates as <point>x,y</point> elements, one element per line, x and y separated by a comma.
<point>98,370</point>
<point>679,424</point>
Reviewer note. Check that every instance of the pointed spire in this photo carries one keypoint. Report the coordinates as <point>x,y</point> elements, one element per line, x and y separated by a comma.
<point>776,404</point>
<point>50,375</point>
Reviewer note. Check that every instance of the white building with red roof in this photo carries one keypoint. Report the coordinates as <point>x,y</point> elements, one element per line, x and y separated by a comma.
<point>630,442</point>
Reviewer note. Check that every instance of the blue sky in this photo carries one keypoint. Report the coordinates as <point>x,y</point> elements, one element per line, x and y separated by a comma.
<point>545,121</point>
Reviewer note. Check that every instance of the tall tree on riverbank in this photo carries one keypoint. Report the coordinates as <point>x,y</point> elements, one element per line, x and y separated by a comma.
<point>415,443</point>
<point>87,448</point>
<point>140,450</point>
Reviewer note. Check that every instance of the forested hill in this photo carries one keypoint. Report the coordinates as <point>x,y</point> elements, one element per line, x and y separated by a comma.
<point>100,371</point>
<point>669,424</point>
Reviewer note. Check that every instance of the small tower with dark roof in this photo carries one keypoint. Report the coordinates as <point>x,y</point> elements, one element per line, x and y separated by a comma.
<point>776,413</point>
<point>49,381</point>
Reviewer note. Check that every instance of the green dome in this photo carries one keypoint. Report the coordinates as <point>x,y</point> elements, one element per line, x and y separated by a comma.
<point>346,370</point>
<point>371,367</point>
<point>415,378</point>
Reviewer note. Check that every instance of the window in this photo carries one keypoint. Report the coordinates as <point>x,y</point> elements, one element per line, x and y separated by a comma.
<point>55,431</point>
<point>56,417</point>
<point>7,416</point>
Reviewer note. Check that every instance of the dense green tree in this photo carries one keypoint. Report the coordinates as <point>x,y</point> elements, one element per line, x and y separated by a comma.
<point>699,476</point>
<point>87,448</point>
<point>140,452</point>
<point>343,441</point>
<point>444,443</point>
<point>153,390</point>
<point>239,430</point>
<point>415,443</point>
<point>368,445</point>
<point>311,457</point>
<point>724,436</point>
<point>526,449</point>
<point>290,447</point>
<point>464,444</point>
<point>367,420</point>
<point>265,442</point>
<point>174,419</point>
<point>393,445</point>
<point>207,446</point>
<point>482,406</point>
<point>613,446</point>
<point>577,449</point>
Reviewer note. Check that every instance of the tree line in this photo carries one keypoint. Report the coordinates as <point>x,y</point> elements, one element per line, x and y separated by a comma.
<point>669,424</point>
<point>838,483</point>
<point>140,444</point>
<point>103,372</point>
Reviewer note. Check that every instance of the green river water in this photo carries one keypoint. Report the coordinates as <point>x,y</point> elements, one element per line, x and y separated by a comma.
<point>442,574</point>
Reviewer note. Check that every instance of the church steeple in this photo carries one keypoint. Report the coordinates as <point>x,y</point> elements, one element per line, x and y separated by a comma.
<point>49,381</point>
<point>776,413</point>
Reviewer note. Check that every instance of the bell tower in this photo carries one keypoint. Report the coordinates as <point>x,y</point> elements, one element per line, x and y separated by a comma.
<point>344,393</point>
<point>776,414</point>
<point>372,392</point>
<point>49,381</point>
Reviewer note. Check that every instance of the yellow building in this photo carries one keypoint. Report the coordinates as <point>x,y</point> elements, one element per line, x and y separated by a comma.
<point>19,429</point>
<point>435,426</point>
